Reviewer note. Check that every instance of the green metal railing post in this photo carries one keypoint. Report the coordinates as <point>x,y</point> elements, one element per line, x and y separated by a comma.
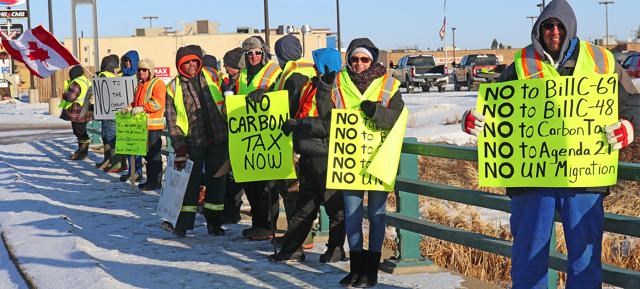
<point>93,129</point>
<point>407,205</point>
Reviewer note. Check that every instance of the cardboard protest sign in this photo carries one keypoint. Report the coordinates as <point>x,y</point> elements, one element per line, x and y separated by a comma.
<point>174,187</point>
<point>548,132</point>
<point>258,150</point>
<point>112,94</point>
<point>131,134</point>
<point>354,142</point>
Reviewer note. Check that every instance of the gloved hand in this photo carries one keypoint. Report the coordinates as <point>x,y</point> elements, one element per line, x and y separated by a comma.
<point>181,158</point>
<point>328,77</point>
<point>472,122</point>
<point>620,134</point>
<point>126,109</point>
<point>289,126</point>
<point>137,109</point>
<point>368,107</point>
<point>256,95</point>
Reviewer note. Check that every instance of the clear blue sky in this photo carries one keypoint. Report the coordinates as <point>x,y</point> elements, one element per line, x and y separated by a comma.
<point>389,24</point>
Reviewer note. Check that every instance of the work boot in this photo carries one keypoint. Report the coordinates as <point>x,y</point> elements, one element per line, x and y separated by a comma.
<point>246,231</point>
<point>333,254</point>
<point>288,255</point>
<point>81,152</point>
<point>355,268</point>
<point>215,231</point>
<point>105,159</point>
<point>154,177</point>
<point>124,178</point>
<point>167,226</point>
<point>369,276</point>
<point>118,163</point>
<point>259,234</point>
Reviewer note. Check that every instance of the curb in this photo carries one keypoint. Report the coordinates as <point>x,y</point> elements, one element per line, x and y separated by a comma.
<point>27,279</point>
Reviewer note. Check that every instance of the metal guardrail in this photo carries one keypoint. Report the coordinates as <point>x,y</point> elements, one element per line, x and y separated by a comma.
<point>406,218</point>
<point>411,228</point>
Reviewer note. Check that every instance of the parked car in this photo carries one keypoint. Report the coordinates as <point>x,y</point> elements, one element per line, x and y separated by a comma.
<point>632,65</point>
<point>476,68</point>
<point>420,70</point>
<point>622,55</point>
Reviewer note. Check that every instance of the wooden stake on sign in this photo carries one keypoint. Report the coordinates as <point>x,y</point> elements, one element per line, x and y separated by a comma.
<point>132,164</point>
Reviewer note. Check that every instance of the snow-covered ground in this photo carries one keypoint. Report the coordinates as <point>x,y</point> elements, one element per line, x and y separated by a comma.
<point>71,226</point>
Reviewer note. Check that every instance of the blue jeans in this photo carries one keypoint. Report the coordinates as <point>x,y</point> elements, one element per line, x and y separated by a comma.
<point>108,130</point>
<point>531,224</point>
<point>376,209</point>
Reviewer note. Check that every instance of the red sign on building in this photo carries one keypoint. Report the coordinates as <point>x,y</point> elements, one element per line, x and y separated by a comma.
<point>162,72</point>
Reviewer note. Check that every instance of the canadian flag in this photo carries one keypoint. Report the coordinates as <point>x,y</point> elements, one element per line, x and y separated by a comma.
<point>443,29</point>
<point>40,51</point>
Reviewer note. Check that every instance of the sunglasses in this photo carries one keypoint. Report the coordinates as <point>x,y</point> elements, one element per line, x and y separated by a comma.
<point>250,53</point>
<point>551,25</point>
<point>365,60</point>
<point>143,69</point>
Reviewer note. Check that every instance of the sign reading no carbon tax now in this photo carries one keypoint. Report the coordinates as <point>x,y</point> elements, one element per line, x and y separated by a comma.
<point>258,150</point>
<point>548,132</point>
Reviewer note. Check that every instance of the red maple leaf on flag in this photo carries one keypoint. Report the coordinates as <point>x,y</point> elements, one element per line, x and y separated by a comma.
<point>37,53</point>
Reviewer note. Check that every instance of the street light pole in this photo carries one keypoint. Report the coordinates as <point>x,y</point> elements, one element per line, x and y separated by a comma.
<point>606,12</point>
<point>306,29</point>
<point>150,19</point>
<point>453,33</point>
<point>533,19</point>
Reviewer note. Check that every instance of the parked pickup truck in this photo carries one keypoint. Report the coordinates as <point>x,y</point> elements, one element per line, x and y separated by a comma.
<point>420,70</point>
<point>476,68</point>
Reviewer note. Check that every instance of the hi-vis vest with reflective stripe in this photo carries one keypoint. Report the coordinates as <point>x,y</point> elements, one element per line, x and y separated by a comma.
<point>263,79</point>
<point>302,66</point>
<point>345,94</point>
<point>107,74</point>
<point>591,59</point>
<point>84,84</point>
<point>174,90</point>
<point>155,120</point>
<point>307,106</point>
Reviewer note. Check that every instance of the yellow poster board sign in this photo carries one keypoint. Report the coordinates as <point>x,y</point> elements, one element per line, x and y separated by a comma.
<point>258,150</point>
<point>354,147</point>
<point>131,134</point>
<point>548,132</point>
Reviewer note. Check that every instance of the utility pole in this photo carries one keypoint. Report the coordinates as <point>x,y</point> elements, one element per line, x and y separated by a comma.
<point>338,22</point>
<point>150,19</point>
<point>533,19</point>
<point>453,33</point>
<point>606,25</point>
<point>266,22</point>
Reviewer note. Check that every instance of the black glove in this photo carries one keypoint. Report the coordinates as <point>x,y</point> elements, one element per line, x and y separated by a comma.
<point>328,77</point>
<point>368,107</point>
<point>289,126</point>
<point>256,95</point>
<point>181,158</point>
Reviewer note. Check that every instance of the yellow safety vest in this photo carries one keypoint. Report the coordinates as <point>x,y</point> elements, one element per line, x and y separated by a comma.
<point>174,90</point>
<point>107,74</point>
<point>263,80</point>
<point>591,58</point>
<point>302,66</point>
<point>84,84</point>
<point>345,93</point>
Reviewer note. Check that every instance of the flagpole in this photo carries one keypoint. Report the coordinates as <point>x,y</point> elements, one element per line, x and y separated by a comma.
<point>444,39</point>
<point>54,93</point>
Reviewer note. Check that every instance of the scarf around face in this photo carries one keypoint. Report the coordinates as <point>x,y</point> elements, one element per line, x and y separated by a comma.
<point>363,79</point>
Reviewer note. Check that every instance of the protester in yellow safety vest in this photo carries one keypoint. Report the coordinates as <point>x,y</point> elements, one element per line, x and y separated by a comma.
<point>257,77</point>
<point>309,125</point>
<point>365,85</point>
<point>77,109</point>
<point>233,195</point>
<point>150,99</point>
<point>197,125</point>
<point>556,51</point>
<point>113,163</point>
